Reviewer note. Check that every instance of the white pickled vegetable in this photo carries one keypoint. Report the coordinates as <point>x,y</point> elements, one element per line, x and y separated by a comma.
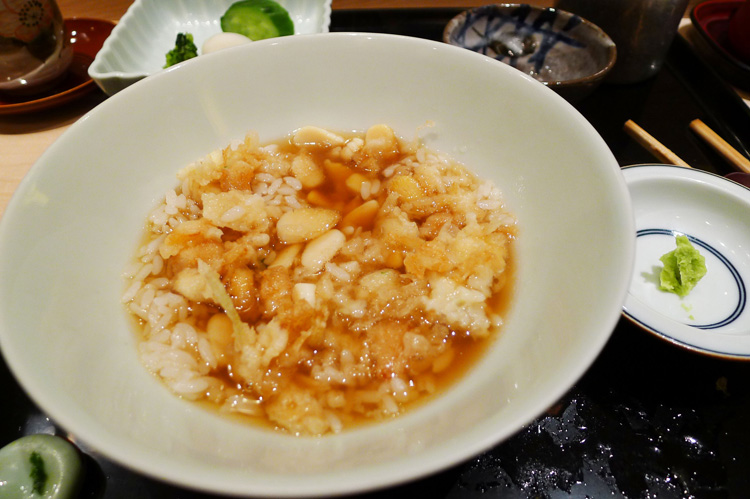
<point>39,466</point>
<point>222,41</point>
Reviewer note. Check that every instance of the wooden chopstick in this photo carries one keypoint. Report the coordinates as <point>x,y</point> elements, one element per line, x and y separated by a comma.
<point>652,145</point>
<point>720,145</point>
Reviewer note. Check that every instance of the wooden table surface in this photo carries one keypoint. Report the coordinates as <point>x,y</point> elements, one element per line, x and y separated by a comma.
<point>23,138</point>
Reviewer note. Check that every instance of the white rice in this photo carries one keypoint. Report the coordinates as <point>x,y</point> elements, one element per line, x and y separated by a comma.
<point>233,214</point>
<point>294,183</point>
<point>365,190</point>
<point>337,272</point>
<point>180,351</point>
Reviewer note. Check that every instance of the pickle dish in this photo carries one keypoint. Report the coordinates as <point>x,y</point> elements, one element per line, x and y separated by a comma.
<point>138,44</point>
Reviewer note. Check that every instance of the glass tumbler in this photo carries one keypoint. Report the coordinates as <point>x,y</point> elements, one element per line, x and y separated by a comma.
<point>642,30</point>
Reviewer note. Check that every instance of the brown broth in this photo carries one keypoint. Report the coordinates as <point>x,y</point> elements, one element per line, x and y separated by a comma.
<point>334,193</point>
<point>468,352</point>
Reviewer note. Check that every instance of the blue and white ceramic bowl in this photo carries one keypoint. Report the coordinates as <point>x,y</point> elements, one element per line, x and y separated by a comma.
<point>562,50</point>
<point>714,213</point>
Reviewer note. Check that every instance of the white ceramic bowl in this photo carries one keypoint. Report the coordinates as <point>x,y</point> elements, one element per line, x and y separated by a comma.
<point>76,219</point>
<point>714,213</point>
<point>138,45</point>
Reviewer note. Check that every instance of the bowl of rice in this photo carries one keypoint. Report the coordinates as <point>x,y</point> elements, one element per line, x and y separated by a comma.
<point>354,271</point>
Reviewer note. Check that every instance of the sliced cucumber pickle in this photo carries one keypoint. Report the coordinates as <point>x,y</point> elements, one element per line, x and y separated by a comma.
<point>257,19</point>
<point>40,467</point>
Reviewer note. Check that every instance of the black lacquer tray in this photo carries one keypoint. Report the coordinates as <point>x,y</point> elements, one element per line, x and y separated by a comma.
<point>648,420</point>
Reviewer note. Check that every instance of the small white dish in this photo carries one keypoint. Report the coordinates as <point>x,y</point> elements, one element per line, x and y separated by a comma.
<point>138,45</point>
<point>714,213</point>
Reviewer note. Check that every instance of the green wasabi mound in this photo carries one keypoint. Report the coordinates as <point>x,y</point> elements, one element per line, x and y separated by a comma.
<point>683,268</point>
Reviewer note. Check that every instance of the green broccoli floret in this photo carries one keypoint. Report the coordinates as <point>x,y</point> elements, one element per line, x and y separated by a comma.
<point>184,49</point>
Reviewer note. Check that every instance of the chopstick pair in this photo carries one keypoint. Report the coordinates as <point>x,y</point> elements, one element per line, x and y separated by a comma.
<point>702,130</point>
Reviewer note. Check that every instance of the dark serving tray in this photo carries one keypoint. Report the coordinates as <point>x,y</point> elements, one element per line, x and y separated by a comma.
<point>648,419</point>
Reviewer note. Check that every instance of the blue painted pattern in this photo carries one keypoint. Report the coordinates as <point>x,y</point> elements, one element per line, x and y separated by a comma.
<point>742,292</point>
<point>513,35</point>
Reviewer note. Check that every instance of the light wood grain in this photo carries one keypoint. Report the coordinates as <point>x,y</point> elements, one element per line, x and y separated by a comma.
<point>659,150</point>
<point>114,9</point>
<point>721,146</point>
<point>23,138</point>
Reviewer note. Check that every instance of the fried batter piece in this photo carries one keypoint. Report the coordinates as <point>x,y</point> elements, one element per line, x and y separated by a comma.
<point>352,272</point>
